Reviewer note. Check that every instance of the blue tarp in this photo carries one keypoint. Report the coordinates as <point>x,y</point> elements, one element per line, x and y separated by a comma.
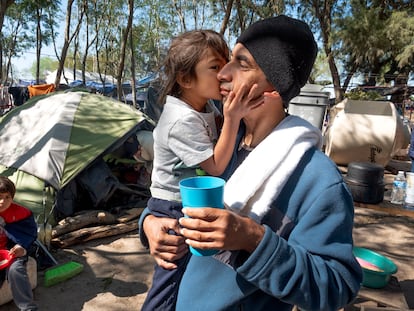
<point>105,90</point>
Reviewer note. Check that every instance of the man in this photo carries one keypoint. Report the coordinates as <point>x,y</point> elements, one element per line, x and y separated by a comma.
<point>286,235</point>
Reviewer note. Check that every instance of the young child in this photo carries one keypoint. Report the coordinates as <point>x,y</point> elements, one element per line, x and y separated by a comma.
<point>186,136</point>
<point>18,231</point>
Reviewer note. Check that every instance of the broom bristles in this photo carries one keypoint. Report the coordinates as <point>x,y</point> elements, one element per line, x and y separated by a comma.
<point>61,273</point>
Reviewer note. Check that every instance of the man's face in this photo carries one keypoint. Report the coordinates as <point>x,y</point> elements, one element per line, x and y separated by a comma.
<point>242,69</point>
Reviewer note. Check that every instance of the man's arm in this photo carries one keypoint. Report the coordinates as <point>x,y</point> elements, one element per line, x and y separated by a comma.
<point>316,258</point>
<point>165,248</point>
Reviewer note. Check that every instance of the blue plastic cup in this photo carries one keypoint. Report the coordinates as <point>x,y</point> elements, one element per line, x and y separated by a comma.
<point>202,191</point>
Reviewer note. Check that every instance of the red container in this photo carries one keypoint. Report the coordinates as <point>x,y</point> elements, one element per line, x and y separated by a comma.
<point>5,258</point>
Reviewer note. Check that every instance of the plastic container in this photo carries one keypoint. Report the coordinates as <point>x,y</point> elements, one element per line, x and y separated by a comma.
<point>377,269</point>
<point>365,131</point>
<point>202,191</point>
<point>5,259</point>
<point>399,187</point>
<point>409,192</point>
<point>311,104</point>
<point>366,182</point>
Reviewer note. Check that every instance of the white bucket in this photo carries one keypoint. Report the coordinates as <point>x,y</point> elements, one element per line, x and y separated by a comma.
<point>311,105</point>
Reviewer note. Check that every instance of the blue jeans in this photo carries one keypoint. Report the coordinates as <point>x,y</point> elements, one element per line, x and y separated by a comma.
<point>20,285</point>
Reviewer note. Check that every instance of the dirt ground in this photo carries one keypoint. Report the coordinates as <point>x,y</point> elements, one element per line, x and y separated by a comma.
<point>117,270</point>
<point>392,236</point>
<point>116,276</point>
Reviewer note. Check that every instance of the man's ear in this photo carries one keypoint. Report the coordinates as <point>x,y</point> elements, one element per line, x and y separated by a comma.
<point>184,81</point>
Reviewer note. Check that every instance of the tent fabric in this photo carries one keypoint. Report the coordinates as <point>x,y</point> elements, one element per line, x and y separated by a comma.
<point>51,139</point>
<point>30,191</point>
<point>56,137</point>
<point>41,89</point>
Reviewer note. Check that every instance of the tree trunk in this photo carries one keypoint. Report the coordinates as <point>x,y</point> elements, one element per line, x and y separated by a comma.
<point>120,69</point>
<point>339,92</point>
<point>226,18</point>
<point>67,41</point>
<point>4,5</point>
<point>323,14</point>
<point>133,78</point>
<point>38,43</point>
<point>348,78</point>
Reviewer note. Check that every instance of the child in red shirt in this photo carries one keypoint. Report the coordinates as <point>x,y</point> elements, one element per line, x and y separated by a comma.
<point>18,231</point>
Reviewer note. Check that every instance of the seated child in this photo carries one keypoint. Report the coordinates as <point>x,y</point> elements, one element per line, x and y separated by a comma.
<point>18,231</point>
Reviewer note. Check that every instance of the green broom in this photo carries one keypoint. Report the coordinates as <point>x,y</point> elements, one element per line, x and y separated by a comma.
<point>60,272</point>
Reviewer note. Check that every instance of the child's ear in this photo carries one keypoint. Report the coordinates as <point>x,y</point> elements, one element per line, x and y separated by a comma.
<point>184,81</point>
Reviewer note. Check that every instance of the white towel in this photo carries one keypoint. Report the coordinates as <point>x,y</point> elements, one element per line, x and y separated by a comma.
<point>263,174</point>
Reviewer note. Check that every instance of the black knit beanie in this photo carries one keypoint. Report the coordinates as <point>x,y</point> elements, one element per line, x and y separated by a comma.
<point>285,49</point>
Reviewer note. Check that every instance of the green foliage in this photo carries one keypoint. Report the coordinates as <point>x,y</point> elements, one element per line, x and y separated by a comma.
<point>17,35</point>
<point>375,38</point>
<point>359,94</point>
<point>400,31</point>
<point>320,71</point>
<point>47,65</point>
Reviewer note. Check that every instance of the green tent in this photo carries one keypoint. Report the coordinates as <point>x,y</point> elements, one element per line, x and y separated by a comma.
<point>50,139</point>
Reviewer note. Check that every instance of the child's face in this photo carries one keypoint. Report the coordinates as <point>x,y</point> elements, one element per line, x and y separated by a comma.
<point>5,201</point>
<point>206,86</point>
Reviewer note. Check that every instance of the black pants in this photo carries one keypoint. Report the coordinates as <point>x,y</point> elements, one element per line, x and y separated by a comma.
<point>165,283</point>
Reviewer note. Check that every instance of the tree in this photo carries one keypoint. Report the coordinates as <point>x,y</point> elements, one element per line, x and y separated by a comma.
<point>37,11</point>
<point>320,15</point>
<point>68,39</point>
<point>4,5</point>
<point>46,65</point>
<point>16,37</point>
<point>125,36</point>
<point>152,32</point>
<point>90,38</point>
<point>377,39</point>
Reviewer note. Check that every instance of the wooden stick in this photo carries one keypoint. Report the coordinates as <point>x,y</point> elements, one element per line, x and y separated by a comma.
<point>92,233</point>
<point>83,220</point>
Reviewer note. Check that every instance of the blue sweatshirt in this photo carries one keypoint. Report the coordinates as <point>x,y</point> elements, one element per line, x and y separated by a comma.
<point>305,258</point>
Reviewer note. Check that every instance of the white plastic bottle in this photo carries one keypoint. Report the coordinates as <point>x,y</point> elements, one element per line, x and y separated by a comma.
<point>399,187</point>
<point>409,192</point>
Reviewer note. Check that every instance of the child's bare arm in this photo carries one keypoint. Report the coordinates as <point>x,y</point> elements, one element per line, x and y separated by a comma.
<point>236,106</point>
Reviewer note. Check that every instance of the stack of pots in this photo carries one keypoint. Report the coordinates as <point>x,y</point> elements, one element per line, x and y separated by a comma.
<point>366,182</point>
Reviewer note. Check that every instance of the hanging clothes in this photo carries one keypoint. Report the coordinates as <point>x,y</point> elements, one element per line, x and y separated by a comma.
<point>6,101</point>
<point>20,94</point>
<point>41,89</point>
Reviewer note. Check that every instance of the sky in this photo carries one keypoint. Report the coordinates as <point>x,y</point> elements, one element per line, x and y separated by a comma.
<point>24,63</point>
